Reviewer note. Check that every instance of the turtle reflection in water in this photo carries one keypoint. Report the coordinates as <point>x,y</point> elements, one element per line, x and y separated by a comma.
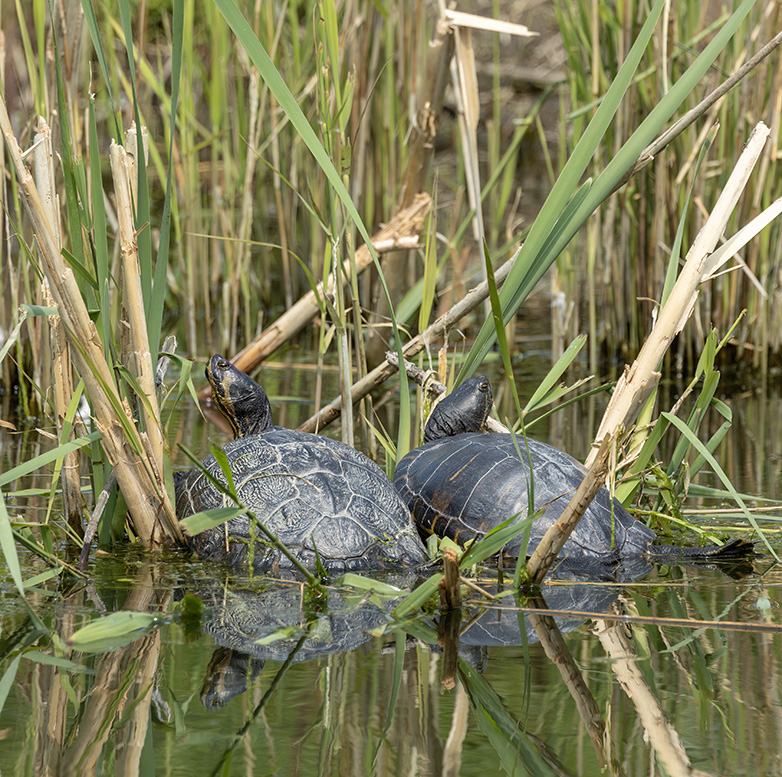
<point>281,620</point>
<point>313,624</point>
<point>462,484</point>
<point>322,498</point>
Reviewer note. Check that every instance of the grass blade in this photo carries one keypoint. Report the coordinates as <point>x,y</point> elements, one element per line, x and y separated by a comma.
<point>703,451</point>
<point>540,249</point>
<point>287,101</point>
<point>113,631</point>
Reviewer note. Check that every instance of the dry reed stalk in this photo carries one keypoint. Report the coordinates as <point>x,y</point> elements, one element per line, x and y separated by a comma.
<point>151,511</point>
<point>641,378</point>
<point>406,223</point>
<point>424,129</point>
<point>557,535</point>
<point>423,132</point>
<point>448,627</point>
<point>62,372</point>
<point>133,326</point>
<point>468,103</point>
<point>430,335</point>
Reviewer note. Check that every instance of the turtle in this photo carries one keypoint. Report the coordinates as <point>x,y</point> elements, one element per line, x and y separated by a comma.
<point>323,499</point>
<point>462,483</point>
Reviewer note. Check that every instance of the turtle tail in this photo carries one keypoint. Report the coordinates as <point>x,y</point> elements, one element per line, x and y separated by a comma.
<point>735,549</point>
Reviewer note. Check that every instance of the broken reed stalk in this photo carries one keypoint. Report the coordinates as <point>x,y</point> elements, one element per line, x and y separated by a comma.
<point>449,585</point>
<point>62,371</point>
<point>431,334</point>
<point>450,616</point>
<point>150,509</point>
<point>557,535</point>
<point>406,223</point>
<point>134,339</point>
<point>431,96</point>
<point>640,379</point>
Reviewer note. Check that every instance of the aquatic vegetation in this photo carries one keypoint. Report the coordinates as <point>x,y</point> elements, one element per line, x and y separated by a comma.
<point>253,150</point>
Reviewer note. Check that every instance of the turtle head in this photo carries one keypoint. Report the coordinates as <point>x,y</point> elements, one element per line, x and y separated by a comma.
<point>238,397</point>
<point>464,410</point>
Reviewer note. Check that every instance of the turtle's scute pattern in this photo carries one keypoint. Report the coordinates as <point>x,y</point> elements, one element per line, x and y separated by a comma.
<point>465,486</point>
<point>312,492</point>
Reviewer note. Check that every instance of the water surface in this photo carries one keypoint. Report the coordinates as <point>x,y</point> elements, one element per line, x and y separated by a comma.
<point>365,693</point>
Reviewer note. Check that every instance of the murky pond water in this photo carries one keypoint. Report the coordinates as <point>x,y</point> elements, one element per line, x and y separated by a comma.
<point>678,671</point>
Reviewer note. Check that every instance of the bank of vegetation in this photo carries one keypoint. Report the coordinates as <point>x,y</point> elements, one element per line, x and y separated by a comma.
<point>213,177</point>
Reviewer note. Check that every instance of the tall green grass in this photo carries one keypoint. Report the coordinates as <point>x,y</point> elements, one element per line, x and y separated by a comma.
<point>629,243</point>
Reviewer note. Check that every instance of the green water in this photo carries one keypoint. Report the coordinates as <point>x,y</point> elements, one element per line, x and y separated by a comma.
<point>382,703</point>
<point>367,694</point>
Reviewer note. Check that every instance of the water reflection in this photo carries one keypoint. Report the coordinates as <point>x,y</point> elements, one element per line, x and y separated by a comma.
<point>365,701</point>
<point>283,620</point>
<point>499,685</point>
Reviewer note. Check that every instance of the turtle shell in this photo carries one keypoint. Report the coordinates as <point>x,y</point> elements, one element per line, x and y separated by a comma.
<point>464,486</point>
<point>314,493</point>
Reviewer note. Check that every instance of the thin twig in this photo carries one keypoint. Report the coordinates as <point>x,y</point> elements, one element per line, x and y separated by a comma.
<point>430,335</point>
<point>676,129</point>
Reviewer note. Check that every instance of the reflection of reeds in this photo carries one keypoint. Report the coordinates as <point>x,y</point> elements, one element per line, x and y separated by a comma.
<point>115,703</point>
<point>662,736</point>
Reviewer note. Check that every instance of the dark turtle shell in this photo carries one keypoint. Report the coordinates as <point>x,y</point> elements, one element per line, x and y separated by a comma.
<point>464,486</point>
<point>313,493</point>
<point>320,497</point>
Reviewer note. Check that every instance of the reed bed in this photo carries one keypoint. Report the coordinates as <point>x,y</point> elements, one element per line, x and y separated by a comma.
<point>612,275</point>
<point>253,151</point>
<point>279,139</point>
<point>243,224</point>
